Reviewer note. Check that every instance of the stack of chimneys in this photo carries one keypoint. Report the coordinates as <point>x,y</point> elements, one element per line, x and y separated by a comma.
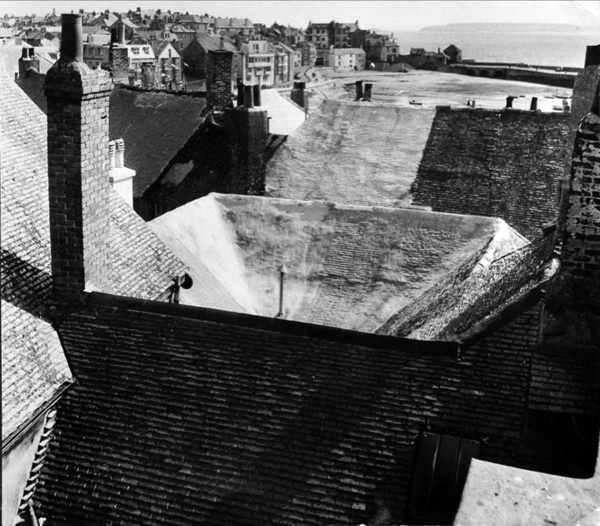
<point>248,96</point>
<point>28,61</point>
<point>78,159</point>
<point>365,95</point>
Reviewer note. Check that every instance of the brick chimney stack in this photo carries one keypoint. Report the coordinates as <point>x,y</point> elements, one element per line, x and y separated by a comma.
<point>572,312</point>
<point>77,168</point>
<point>218,78</point>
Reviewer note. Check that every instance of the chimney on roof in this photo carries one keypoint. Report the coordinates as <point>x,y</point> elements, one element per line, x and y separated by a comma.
<point>367,97</point>
<point>298,95</point>
<point>77,162</point>
<point>120,177</point>
<point>359,89</point>
<point>571,317</point>
<point>28,61</point>
<point>219,71</point>
<point>534,102</point>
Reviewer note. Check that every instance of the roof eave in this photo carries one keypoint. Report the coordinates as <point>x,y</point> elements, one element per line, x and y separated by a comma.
<point>13,438</point>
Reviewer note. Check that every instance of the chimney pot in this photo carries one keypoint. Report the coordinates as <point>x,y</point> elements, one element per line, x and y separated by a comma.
<point>120,155</point>
<point>71,44</point>
<point>534,102</point>
<point>112,149</point>
<point>256,94</point>
<point>249,96</point>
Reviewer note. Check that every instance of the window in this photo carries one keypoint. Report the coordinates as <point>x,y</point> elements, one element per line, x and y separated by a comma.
<point>441,467</point>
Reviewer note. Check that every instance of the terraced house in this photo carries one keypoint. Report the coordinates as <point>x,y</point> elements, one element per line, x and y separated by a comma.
<point>406,344</point>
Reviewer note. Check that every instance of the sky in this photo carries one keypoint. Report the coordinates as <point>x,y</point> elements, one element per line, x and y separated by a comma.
<point>372,14</point>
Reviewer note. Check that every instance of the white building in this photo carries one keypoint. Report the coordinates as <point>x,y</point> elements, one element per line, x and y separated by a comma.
<point>347,58</point>
<point>258,63</point>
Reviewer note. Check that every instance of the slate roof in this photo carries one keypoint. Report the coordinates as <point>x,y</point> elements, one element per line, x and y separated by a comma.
<point>353,153</point>
<point>219,423</point>
<point>34,368</point>
<point>213,43</point>
<point>348,266</point>
<point>455,308</point>
<point>154,126</point>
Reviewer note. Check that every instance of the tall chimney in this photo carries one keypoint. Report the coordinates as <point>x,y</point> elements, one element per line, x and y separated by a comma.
<point>218,78</point>
<point>77,164</point>
<point>572,308</point>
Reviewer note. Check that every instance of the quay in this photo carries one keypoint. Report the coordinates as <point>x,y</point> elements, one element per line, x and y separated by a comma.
<point>548,75</point>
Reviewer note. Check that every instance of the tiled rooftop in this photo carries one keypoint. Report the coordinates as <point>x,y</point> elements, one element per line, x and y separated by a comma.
<point>453,307</point>
<point>353,153</point>
<point>154,126</point>
<point>348,266</point>
<point>143,266</point>
<point>217,422</point>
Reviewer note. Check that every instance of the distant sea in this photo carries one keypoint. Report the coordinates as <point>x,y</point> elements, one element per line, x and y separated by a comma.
<point>546,48</point>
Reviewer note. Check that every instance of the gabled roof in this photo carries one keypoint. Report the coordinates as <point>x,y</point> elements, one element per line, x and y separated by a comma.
<point>455,308</point>
<point>371,160</point>
<point>343,261</point>
<point>160,46</point>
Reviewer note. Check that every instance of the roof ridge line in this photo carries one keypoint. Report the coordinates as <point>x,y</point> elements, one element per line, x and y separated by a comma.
<point>297,328</point>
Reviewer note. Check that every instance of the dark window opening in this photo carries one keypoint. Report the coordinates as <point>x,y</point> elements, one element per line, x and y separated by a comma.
<point>441,467</point>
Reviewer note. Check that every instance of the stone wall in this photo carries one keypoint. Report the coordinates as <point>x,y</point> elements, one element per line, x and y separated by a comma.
<point>503,163</point>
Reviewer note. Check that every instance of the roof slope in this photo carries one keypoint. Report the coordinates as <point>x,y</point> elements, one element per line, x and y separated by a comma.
<point>154,126</point>
<point>285,116</point>
<point>352,153</point>
<point>453,307</point>
<point>349,266</point>
<point>33,365</point>
<point>505,163</point>
<point>215,423</point>
<point>143,266</point>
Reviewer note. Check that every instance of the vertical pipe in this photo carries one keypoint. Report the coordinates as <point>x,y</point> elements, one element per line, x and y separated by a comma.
<point>248,97</point>
<point>256,94</point>
<point>533,106</point>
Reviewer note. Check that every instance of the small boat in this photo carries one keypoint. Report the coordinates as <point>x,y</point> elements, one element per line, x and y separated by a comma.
<point>415,103</point>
